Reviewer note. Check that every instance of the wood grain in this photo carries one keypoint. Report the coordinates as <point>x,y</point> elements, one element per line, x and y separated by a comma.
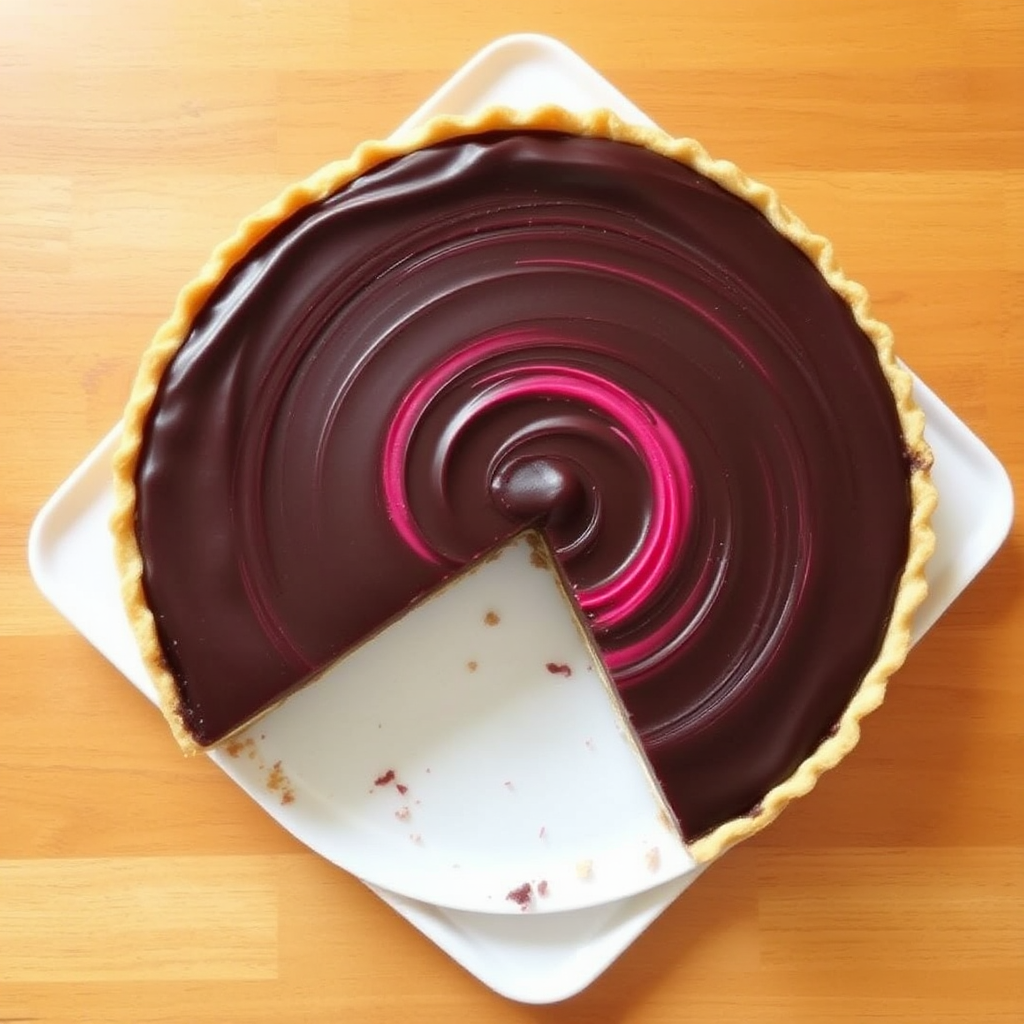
<point>139,887</point>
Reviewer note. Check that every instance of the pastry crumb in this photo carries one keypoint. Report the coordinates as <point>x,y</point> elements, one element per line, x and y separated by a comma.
<point>277,782</point>
<point>472,666</point>
<point>402,814</point>
<point>491,619</point>
<point>653,859</point>
<point>542,887</point>
<point>276,778</point>
<point>235,747</point>
<point>585,869</point>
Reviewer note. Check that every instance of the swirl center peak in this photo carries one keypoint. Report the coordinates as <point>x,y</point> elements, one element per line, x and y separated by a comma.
<point>544,489</point>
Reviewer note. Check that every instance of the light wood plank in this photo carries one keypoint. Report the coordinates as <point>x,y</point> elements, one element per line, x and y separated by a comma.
<point>138,919</point>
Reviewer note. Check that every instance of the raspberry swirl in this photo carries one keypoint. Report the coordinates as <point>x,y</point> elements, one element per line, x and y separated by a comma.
<point>646,435</point>
<point>517,330</point>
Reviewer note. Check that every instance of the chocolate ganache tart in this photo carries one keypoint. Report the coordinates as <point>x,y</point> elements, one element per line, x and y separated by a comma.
<point>544,321</point>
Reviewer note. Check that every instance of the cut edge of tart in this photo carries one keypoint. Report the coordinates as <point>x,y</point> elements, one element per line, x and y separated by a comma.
<point>911,589</point>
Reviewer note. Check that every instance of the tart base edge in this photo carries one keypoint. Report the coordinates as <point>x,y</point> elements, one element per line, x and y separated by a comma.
<point>168,339</point>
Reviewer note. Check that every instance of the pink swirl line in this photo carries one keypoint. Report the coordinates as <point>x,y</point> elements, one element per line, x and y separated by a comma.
<point>410,409</point>
<point>669,472</point>
<point>640,426</point>
<point>630,663</point>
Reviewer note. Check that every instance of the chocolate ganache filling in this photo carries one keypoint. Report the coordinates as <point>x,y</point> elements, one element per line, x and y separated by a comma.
<point>534,329</point>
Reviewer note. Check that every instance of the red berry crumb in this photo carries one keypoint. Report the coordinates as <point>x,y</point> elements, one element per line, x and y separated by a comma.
<point>522,895</point>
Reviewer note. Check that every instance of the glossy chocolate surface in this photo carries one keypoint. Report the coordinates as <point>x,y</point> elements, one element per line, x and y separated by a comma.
<point>536,329</point>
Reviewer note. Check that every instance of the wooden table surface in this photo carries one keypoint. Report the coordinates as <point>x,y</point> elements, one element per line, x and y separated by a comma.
<point>138,886</point>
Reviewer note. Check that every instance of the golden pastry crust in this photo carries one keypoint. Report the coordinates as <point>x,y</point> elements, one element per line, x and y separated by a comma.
<point>601,124</point>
